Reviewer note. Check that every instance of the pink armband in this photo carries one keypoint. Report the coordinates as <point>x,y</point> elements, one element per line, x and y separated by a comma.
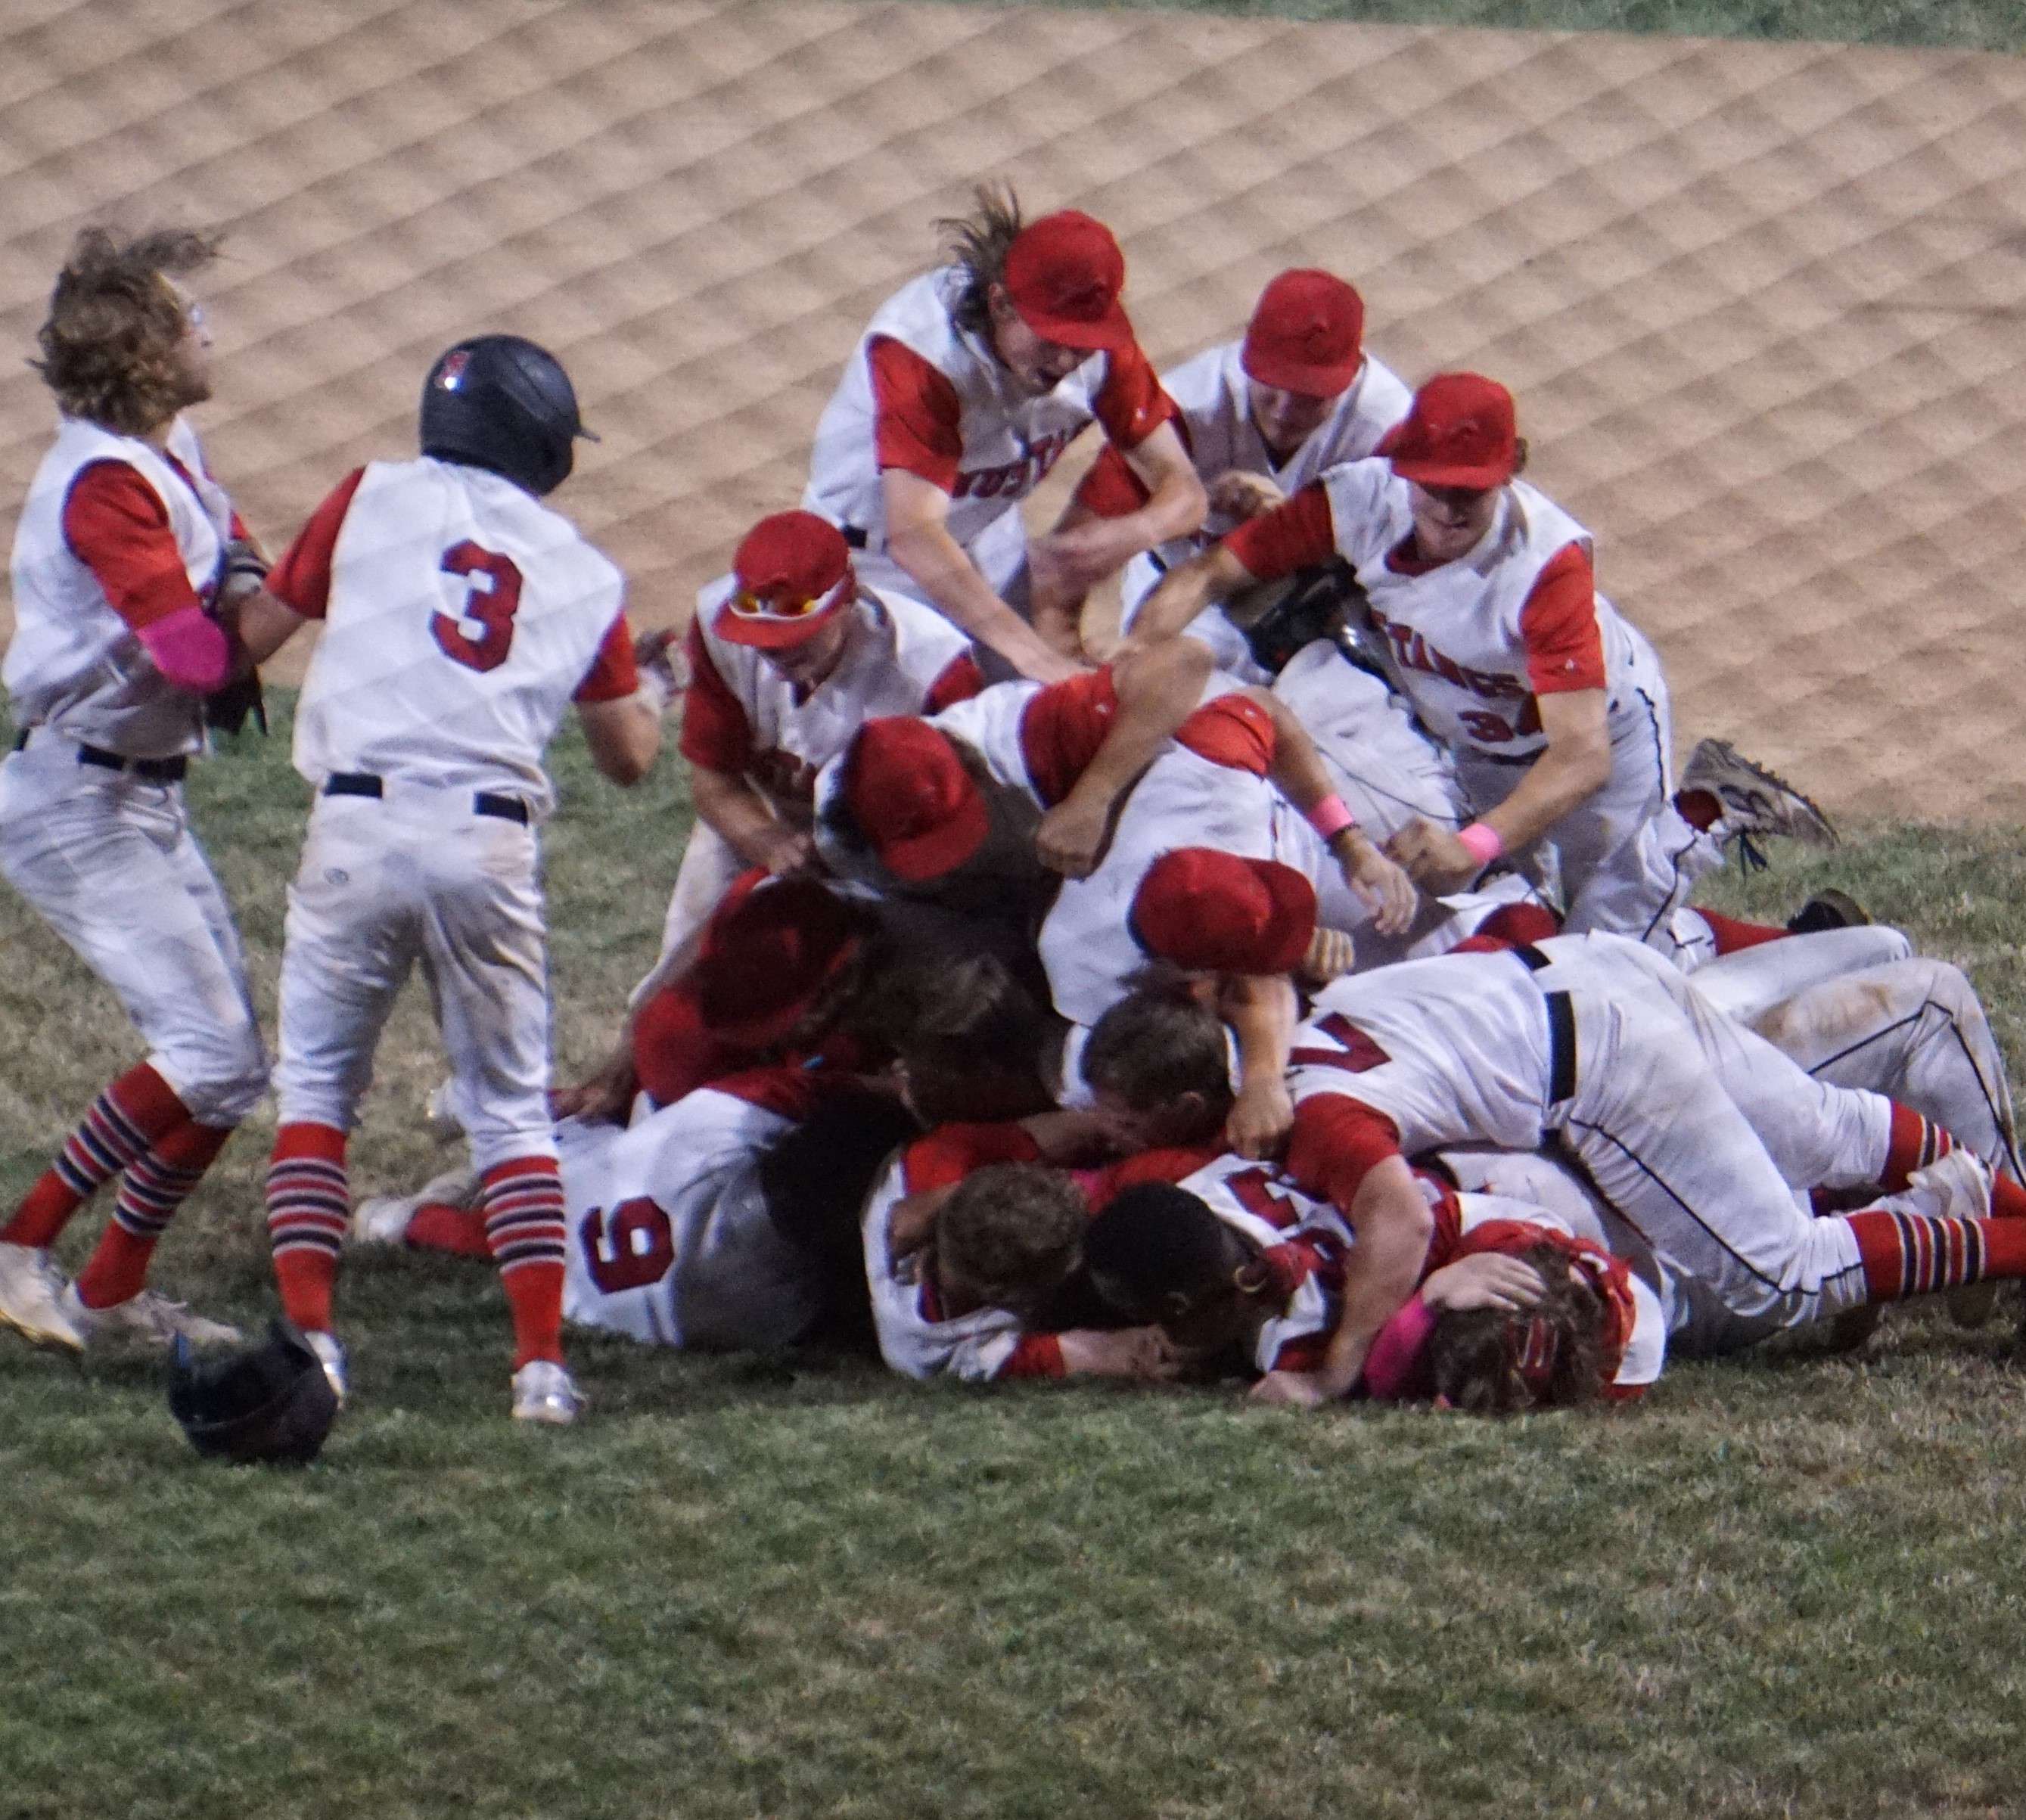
<point>1482,843</point>
<point>1329,818</point>
<point>190,649</point>
<point>1392,1365</point>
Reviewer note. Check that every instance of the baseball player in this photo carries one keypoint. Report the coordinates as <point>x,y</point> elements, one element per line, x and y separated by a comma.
<point>460,616</point>
<point>963,391</point>
<point>702,1225</point>
<point>125,548</point>
<point>789,656</point>
<point>1263,417</point>
<point>1554,707</point>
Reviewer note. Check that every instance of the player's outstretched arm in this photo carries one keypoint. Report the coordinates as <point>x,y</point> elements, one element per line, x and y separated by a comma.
<point>1158,690</point>
<point>624,736</point>
<point>731,804</point>
<point>918,539</point>
<point>1084,546</point>
<point>1204,581</point>
<point>1262,1012</point>
<point>261,625</point>
<point>1576,765</point>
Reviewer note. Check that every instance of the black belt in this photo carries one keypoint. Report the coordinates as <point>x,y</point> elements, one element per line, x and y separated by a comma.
<point>148,770</point>
<point>1561,1028</point>
<point>508,808</point>
<point>855,538</point>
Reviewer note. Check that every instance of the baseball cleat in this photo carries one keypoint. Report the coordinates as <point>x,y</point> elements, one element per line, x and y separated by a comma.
<point>1829,908</point>
<point>31,1299</point>
<point>383,1219</point>
<point>1958,1181</point>
<point>1848,1331</point>
<point>330,1350</point>
<point>150,1317</point>
<point>1755,800</point>
<point>544,1392</point>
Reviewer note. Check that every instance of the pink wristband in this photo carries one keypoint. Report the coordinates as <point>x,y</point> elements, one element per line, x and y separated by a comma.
<point>1329,818</point>
<point>1482,843</point>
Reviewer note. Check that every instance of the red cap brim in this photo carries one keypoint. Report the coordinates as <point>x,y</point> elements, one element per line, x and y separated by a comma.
<point>1111,333</point>
<point>1285,375</point>
<point>1477,480</point>
<point>917,859</point>
<point>768,634</point>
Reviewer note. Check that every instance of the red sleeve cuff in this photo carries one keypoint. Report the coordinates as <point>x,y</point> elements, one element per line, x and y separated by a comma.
<point>1336,1143</point>
<point>1038,1355</point>
<point>301,580</point>
<point>1296,535</point>
<point>959,681</point>
<point>614,675</point>
<point>1558,626</point>
<point>917,415</point>
<point>716,733</point>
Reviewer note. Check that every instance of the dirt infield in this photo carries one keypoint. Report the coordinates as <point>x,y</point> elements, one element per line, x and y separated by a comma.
<point>1761,304</point>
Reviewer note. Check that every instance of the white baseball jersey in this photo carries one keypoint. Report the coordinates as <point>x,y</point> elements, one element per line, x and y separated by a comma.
<point>671,1241</point>
<point>742,714</point>
<point>74,664</point>
<point>463,614</point>
<point>1454,632</point>
<point>1214,405</point>
<point>1007,439</point>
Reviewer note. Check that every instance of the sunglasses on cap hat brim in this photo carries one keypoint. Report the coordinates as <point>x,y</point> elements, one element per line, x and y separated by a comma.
<point>772,621</point>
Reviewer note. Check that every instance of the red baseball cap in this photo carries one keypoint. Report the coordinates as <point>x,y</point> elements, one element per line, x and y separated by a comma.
<point>791,576</point>
<point>1064,274</point>
<point>1460,432</point>
<point>1306,335</point>
<point>909,792</point>
<point>1213,913</point>
<point>765,955</point>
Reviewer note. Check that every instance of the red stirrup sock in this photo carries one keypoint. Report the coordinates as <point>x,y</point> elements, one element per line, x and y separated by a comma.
<point>1912,1143</point>
<point>1732,934</point>
<point>154,1186</point>
<point>438,1226</point>
<point>1917,1253</point>
<point>309,1205</point>
<point>130,1115</point>
<point>526,1229</point>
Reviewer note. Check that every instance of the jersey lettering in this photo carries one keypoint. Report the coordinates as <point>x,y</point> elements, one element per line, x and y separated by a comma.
<point>1411,651</point>
<point>1490,729</point>
<point>491,607</point>
<point>1253,1190</point>
<point>636,1247</point>
<point>1015,479</point>
<point>1358,1055</point>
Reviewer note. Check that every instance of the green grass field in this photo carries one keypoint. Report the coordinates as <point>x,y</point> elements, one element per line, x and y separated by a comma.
<point>799,1587</point>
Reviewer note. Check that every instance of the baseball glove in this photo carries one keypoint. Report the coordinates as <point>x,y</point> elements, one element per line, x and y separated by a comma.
<point>227,710</point>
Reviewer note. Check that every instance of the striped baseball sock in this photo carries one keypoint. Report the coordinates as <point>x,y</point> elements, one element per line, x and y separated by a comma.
<point>526,1229</point>
<point>1912,1144</point>
<point>153,1187</point>
<point>438,1226</point>
<point>309,1205</point>
<point>1919,1254</point>
<point>129,1116</point>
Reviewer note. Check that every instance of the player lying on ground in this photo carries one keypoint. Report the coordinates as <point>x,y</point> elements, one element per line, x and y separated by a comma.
<point>128,562</point>
<point>1554,707</point>
<point>966,387</point>
<point>461,617</point>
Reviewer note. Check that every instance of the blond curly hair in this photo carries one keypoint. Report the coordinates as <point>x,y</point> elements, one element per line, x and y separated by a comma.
<point>109,344</point>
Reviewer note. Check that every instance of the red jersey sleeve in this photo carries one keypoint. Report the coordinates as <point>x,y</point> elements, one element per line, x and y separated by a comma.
<point>1038,1355</point>
<point>1336,1142</point>
<point>301,580</point>
<point>1110,489</point>
<point>614,675</point>
<point>1296,535</point>
<point>117,526</point>
<point>961,680</point>
<point>917,416</point>
<point>1558,625</point>
<point>951,1152</point>
<point>716,733</point>
<point>1130,403</point>
<point>1061,729</point>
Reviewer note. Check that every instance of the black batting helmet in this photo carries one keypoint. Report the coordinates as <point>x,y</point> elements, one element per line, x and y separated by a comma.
<point>269,1402</point>
<point>502,403</point>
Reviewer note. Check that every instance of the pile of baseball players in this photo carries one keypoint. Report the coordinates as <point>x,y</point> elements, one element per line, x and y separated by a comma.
<point>1307,995</point>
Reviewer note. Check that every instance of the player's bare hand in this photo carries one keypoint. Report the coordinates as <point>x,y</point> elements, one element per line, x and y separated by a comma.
<point>784,852</point>
<point>1145,1353</point>
<point>1434,858</point>
<point>1260,1118</point>
<point>1490,1280</point>
<point>604,1098</point>
<point>1291,1390</point>
<point>1332,954</point>
<point>659,654</point>
<point>1238,494</point>
<point>1385,888</point>
<point>1071,837</point>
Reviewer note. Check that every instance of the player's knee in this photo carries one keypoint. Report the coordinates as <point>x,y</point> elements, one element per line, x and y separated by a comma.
<point>220,1077</point>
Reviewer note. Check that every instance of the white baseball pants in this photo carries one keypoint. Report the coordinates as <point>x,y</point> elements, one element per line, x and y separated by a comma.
<point>109,861</point>
<point>416,876</point>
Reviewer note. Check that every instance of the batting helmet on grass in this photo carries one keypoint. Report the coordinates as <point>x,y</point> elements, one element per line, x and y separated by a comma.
<point>268,1403</point>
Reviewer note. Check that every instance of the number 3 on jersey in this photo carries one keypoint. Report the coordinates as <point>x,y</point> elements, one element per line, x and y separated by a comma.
<point>492,596</point>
